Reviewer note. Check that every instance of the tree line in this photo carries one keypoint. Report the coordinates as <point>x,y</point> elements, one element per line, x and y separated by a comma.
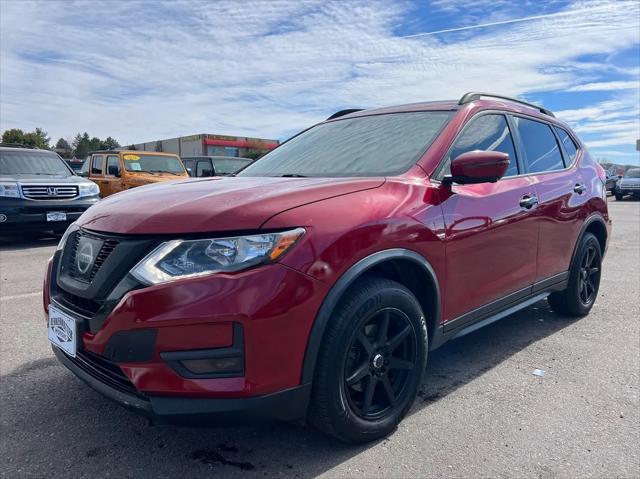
<point>80,146</point>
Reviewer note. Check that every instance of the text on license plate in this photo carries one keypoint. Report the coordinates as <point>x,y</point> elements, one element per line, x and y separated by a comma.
<point>56,216</point>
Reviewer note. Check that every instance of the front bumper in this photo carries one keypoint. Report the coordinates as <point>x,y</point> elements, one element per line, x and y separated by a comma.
<point>628,191</point>
<point>273,306</point>
<point>20,215</point>
<point>288,405</point>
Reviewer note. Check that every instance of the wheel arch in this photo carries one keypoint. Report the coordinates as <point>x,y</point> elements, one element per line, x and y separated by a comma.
<point>595,225</point>
<point>402,265</point>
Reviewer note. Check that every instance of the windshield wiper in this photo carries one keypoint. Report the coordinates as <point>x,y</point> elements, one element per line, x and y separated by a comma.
<point>163,171</point>
<point>292,175</point>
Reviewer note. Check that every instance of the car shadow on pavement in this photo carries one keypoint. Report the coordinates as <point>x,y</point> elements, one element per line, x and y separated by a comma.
<point>80,433</point>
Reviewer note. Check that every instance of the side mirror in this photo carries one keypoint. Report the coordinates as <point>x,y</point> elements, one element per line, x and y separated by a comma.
<point>189,171</point>
<point>84,174</point>
<point>478,167</point>
<point>113,170</point>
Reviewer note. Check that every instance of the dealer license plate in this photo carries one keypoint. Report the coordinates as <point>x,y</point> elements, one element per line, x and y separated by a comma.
<point>63,331</point>
<point>56,216</point>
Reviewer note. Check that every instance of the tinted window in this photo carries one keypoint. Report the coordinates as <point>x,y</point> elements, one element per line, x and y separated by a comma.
<point>96,165</point>
<point>540,146</point>
<point>374,145</point>
<point>569,146</point>
<point>112,161</point>
<point>29,162</point>
<point>204,166</point>
<point>228,167</point>
<point>188,164</point>
<point>486,133</point>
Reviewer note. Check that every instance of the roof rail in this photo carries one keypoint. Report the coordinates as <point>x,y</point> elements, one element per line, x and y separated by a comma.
<point>340,113</point>
<point>18,145</point>
<point>472,96</point>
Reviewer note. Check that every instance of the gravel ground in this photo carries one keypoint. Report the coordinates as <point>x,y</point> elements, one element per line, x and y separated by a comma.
<point>481,411</point>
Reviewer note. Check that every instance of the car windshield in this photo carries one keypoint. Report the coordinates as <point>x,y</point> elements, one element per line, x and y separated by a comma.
<point>230,166</point>
<point>153,163</point>
<point>376,145</point>
<point>30,162</point>
<point>632,173</point>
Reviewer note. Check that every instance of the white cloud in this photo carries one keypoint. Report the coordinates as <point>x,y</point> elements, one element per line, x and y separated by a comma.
<point>272,68</point>
<point>607,86</point>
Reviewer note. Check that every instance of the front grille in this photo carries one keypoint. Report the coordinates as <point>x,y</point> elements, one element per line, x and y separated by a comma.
<point>105,250</point>
<point>82,306</point>
<point>49,192</point>
<point>105,371</point>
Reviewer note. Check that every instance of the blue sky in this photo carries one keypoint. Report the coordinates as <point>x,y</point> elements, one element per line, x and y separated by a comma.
<point>143,70</point>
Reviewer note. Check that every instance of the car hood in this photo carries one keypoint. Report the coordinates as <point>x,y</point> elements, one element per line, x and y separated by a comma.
<point>212,204</point>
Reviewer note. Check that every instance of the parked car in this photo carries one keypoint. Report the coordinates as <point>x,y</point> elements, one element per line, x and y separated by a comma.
<point>39,192</point>
<point>629,184</point>
<point>76,163</point>
<point>201,166</point>
<point>313,284</point>
<point>116,171</point>
<point>611,181</point>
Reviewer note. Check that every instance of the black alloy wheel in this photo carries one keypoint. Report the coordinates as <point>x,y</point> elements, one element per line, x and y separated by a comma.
<point>584,280</point>
<point>382,354</point>
<point>371,361</point>
<point>589,276</point>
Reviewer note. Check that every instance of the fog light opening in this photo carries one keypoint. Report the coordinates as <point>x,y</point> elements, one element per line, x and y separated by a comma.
<point>213,365</point>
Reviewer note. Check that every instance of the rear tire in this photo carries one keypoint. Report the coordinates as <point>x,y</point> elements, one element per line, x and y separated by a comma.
<point>371,362</point>
<point>584,280</point>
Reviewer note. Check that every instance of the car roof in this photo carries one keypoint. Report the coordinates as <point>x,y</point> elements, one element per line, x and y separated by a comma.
<point>134,152</point>
<point>469,100</point>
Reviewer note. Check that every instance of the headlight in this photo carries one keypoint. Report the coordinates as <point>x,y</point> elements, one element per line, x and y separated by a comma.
<point>179,259</point>
<point>9,189</point>
<point>88,189</point>
<point>72,227</point>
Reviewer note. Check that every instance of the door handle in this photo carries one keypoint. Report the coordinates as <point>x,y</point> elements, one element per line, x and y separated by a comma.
<point>528,202</point>
<point>579,188</point>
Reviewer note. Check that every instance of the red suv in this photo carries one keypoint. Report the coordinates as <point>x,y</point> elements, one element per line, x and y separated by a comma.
<point>314,283</point>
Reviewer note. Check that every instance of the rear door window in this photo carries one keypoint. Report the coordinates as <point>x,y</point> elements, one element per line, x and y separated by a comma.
<point>570,147</point>
<point>204,168</point>
<point>111,162</point>
<point>97,165</point>
<point>486,133</point>
<point>541,149</point>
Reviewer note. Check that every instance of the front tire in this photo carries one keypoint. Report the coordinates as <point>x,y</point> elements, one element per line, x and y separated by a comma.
<point>371,362</point>
<point>584,280</point>
<point>619,197</point>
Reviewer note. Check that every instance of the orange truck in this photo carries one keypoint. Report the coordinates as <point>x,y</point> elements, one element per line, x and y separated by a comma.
<point>116,171</point>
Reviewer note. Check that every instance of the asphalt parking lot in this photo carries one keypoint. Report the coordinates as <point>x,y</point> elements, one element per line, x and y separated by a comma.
<point>481,411</point>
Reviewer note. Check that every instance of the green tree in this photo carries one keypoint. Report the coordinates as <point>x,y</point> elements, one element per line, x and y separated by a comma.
<point>82,145</point>
<point>37,138</point>
<point>63,144</point>
<point>63,148</point>
<point>110,144</point>
<point>95,144</point>
<point>15,135</point>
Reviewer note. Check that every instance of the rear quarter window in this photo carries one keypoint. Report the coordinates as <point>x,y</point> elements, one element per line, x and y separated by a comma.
<point>570,148</point>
